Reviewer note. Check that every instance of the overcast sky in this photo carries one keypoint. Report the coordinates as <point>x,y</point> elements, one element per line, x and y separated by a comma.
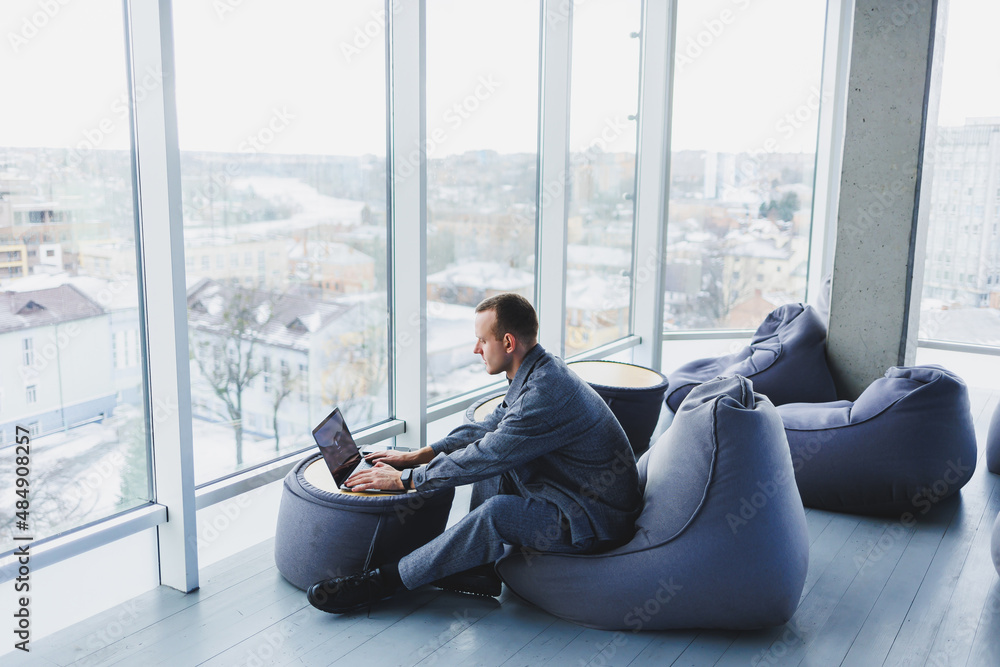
<point>313,65</point>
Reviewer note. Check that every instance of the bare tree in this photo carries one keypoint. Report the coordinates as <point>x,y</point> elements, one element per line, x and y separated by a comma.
<point>228,364</point>
<point>287,384</point>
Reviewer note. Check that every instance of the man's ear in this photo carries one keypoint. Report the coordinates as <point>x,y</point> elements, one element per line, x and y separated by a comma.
<point>509,342</point>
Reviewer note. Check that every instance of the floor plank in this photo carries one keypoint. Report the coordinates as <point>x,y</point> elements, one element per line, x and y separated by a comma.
<point>875,638</point>
<point>985,647</point>
<point>421,634</point>
<point>324,638</point>
<point>923,620</point>
<point>494,638</point>
<point>961,619</point>
<point>774,643</point>
<point>836,637</point>
<point>544,646</point>
<point>817,606</point>
<point>665,648</point>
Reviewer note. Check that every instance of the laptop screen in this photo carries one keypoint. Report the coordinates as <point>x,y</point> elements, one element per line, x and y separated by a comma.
<point>337,446</point>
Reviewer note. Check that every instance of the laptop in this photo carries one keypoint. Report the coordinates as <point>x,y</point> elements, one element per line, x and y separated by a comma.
<point>339,450</point>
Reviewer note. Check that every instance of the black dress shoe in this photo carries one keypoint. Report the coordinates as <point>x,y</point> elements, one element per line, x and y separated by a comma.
<point>343,594</point>
<point>481,580</point>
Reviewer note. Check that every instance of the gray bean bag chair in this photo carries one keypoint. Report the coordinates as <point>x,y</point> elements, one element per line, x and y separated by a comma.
<point>324,532</point>
<point>721,541</point>
<point>907,443</point>
<point>786,360</point>
<point>993,443</point>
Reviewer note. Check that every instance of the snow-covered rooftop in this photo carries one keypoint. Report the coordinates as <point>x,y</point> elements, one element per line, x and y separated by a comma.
<point>483,275</point>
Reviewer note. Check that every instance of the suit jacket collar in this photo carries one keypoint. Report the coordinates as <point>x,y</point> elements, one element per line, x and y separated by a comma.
<point>523,371</point>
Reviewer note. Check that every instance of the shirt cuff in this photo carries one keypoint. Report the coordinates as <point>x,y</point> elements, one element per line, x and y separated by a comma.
<point>419,475</point>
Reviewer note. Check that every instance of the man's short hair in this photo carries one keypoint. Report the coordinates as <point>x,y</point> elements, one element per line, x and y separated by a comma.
<point>515,315</point>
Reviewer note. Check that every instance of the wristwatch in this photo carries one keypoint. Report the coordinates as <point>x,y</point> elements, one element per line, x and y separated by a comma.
<point>406,477</point>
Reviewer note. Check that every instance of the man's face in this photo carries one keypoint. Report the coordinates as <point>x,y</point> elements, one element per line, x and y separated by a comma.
<point>494,352</point>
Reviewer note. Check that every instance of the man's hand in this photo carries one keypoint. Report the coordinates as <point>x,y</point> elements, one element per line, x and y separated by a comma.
<point>400,460</point>
<point>380,478</point>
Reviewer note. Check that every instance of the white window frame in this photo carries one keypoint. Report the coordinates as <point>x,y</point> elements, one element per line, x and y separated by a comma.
<point>28,351</point>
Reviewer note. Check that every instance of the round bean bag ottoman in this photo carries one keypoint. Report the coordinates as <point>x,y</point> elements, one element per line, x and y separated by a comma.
<point>993,443</point>
<point>995,544</point>
<point>907,443</point>
<point>479,410</point>
<point>324,532</point>
<point>721,541</point>
<point>634,394</point>
<point>786,360</point>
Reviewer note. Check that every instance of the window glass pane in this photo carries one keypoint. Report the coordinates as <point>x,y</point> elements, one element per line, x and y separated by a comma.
<point>282,130</point>
<point>745,117</point>
<point>961,291</point>
<point>482,135</point>
<point>67,269</point>
<point>605,93</point>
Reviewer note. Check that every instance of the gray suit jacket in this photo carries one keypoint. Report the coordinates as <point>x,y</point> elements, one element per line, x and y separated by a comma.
<point>558,441</point>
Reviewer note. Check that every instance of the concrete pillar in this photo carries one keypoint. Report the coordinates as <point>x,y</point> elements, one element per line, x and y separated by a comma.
<point>881,227</point>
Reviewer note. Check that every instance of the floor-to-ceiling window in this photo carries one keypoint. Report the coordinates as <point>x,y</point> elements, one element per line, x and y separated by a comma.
<point>746,103</point>
<point>482,134</point>
<point>282,126</point>
<point>604,96</point>
<point>961,281</point>
<point>71,356</point>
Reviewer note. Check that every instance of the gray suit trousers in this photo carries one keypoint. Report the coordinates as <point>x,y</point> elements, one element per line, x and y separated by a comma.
<point>528,524</point>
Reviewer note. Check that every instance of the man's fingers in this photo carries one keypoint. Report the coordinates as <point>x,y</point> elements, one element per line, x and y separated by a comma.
<point>358,478</point>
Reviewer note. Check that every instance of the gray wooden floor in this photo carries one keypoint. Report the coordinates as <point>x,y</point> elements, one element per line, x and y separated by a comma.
<point>878,592</point>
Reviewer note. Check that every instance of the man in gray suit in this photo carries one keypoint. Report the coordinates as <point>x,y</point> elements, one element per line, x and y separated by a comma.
<point>545,455</point>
